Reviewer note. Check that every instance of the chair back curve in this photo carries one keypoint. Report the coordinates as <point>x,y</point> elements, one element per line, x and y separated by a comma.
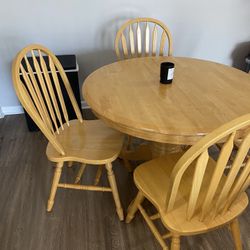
<point>213,197</point>
<point>37,75</point>
<point>139,37</point>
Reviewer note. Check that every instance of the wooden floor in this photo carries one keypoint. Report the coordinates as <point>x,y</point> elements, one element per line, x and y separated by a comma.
<point>83,220</point>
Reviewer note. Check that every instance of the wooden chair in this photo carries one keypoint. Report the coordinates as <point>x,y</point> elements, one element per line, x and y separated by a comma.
<point>191,192</point>
<point>139,37</point>
<point>84,141</point>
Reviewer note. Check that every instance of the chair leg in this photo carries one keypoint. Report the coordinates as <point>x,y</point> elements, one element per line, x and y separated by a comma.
<point>133,207</point>
<point>80,173</point>
<point>235,229</point>
<point>98,175</point>
<point>112,182</point>
<point>55,182</point>
<point>175,242</point>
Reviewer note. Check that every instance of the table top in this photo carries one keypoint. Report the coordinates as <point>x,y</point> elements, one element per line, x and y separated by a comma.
<point>203,95</point>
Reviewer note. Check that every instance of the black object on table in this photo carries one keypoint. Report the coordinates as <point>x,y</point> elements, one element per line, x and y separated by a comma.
<point>167,72</point>
<point>70,67</point>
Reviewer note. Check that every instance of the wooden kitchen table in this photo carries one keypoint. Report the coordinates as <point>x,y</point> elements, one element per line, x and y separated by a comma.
<point>128,96</point>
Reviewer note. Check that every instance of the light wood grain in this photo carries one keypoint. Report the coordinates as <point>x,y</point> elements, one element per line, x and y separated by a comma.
<point>147,39</point>
<point>199,172</point>
<point>43,112</point>
<point>124,46</point>
<point>133,207</point>
<point>112,182</point>
<point>127,95</point>
<point>80,172</point>
<point>58,90</point>
<point>87,142</point>
<point>216,178</point>
<point>163,40</point>
<point>154,40</point>
<point>188,188</point>
<point>146,45</point>
<point>145,35</point>
<point>139,40</point>
<point>175,242</point>
<point>51,90</point>
<point>235,229</point>
<point>56,179</point>
<point>131,40</point>
<point>98,174</point>
<point>90,142</point>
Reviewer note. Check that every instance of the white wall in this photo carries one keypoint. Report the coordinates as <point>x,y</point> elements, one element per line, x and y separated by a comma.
<point>214,30</point>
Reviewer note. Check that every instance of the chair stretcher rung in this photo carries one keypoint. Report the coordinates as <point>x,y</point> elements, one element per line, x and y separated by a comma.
<point>83,187</point>
<point>155,216</point>
<point>152,227</point>
<point>165,236</point>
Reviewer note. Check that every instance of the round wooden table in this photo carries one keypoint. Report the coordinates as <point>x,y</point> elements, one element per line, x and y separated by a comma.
<point>128,96</point>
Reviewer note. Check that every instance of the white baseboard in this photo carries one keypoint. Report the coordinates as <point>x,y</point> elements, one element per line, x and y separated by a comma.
<point>11,110</point>
<point>14,110</point>
<point>1,113</point>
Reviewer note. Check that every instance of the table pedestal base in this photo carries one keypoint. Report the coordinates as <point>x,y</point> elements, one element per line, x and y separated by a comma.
<point>158,149</point>
<point>149,151</point>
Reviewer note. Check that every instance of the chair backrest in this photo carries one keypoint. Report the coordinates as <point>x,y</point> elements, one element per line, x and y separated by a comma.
<point>221,189</point>
<point>36,74</point>
<point>139,37</point>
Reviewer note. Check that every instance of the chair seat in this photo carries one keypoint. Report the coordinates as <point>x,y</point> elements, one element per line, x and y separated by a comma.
<point>90,142</point>
<point>152,179</point>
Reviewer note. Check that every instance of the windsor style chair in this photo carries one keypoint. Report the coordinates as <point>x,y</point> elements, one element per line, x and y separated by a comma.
<point>85,141</point>
<point>192,192</point>
<point>139,37</point>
